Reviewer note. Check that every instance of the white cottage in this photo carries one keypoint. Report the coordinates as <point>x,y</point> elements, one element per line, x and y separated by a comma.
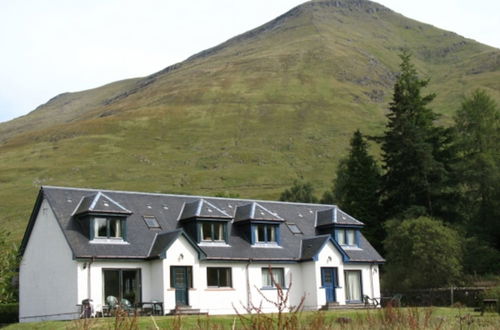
<point>195,254</point>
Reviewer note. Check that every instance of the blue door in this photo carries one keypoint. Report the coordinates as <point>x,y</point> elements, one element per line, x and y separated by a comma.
<point>180,283</point>
<point>329,282</point>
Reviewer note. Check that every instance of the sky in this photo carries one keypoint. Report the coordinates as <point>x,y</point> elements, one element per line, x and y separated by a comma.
<point>50,47</point>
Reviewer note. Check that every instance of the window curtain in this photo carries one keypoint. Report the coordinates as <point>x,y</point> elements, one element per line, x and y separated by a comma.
<point>353,285</point>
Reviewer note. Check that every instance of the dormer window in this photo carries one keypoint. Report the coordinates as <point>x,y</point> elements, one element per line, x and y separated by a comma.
<point>205,222</point>
<point>265,233</point>
<point>107,228</point>
<point>102,218</point>
<point>346,237</point>
<point>212,231</point>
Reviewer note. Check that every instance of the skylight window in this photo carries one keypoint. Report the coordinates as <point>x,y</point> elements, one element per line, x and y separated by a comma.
<point>151,222</point>
<point>294,228</point>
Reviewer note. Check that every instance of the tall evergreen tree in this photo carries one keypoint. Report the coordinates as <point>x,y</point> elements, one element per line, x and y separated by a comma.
<point>411,149</point>
<point>302,192</point>
<point>477,127</point>
<point>356,188</point>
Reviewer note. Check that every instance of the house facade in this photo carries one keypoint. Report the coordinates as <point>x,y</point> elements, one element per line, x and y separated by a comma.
<point>210,255</point>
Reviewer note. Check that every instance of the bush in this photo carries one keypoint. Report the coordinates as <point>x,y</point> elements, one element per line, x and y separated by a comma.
<point>9,313</point>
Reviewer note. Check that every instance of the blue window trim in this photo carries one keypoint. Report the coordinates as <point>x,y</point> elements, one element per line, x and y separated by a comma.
<point>344,230</point>
<point>199,225</point>
<point>123,226</point>
<point>277,233</point>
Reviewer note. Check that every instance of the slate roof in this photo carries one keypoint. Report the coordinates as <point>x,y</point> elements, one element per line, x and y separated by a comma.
<point>255,211</point>
<point>146,243</point>
<point>202,209</point>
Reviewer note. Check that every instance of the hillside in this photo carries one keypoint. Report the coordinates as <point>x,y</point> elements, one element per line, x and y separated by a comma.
<point>249,116</point>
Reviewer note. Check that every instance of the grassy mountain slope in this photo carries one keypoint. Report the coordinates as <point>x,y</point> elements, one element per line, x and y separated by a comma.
<point>249,116</point>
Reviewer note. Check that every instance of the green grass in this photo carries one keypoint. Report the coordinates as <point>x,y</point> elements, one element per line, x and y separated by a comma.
<point>248,119</point>
<point>417,318</point>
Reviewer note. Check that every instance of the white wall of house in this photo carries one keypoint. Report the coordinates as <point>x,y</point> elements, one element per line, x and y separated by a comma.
<point>48,273</point>
<point>148,281</point>
<point>369,278</point>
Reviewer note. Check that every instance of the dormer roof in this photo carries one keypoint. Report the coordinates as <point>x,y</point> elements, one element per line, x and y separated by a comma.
<point>201,208</point>
<point>334,216</point>
<point>256,212</point>
<point>101,204</point>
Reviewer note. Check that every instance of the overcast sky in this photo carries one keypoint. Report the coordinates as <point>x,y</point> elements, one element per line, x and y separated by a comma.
<point>53,46</point>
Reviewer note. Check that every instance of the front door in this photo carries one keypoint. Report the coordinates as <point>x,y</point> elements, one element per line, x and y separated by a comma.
<point>180,283</point>
<point>329,282</point>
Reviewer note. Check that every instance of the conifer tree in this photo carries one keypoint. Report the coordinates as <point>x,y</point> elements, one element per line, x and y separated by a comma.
<point>302,192</point>
<point>356,188</point>
<point>411,149</point>
<point>477,127</point>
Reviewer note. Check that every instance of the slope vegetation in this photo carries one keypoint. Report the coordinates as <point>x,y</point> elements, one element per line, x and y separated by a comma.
<point>249,116</point>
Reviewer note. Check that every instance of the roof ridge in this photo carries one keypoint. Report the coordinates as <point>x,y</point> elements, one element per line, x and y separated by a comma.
<point>190,196</point>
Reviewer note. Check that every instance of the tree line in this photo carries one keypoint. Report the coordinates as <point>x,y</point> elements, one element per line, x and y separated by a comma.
<point>432,204</point>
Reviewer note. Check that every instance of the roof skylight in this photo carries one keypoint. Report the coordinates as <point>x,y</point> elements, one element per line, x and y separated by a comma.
<point>294,228</point>
<point>151,222</point>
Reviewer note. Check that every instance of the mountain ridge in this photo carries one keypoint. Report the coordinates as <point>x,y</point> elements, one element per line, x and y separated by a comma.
<point>247,117</point>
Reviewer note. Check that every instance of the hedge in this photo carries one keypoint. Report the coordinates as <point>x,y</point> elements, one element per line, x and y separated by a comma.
<point>9,313</point>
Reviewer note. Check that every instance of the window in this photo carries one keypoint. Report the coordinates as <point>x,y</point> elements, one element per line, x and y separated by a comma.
<point>151,222</point>
<point>271,277</point>
<point>108,228</point>
<point>212,231</point>
<point>346,237</point>
<point>294,228</point>
<point>179,273</point>
<point>265,233</point>
<point>122,284</point>
<point>219,277</point>
<point>353,285</point>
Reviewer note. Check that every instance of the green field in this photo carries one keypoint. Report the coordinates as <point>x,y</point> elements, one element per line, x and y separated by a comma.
<point>249,117</point>
<point>403,318</point>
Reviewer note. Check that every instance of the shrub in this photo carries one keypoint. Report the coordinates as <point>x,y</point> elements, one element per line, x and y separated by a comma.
<point>9,313</point>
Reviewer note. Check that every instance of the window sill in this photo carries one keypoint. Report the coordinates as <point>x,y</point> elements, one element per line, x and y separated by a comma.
<point>266,245</point>
<point>210,243</point>
<point>108,241</point>
<point>220,289</point>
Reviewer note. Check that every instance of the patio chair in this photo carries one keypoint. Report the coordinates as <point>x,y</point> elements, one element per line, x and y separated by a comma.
<point>112,305</point>
<point>370,302</point>
<point>126,306</point>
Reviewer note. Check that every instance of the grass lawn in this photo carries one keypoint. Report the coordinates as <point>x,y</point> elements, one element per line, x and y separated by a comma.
<point>402,318</point>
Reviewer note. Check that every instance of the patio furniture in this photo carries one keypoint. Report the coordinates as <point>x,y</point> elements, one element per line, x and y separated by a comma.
<point>490,304</point>
<point>152,307</point>
<point>370,302</point>
<point>110,307</point>
<point>126,306</point>
<point>87,309</point>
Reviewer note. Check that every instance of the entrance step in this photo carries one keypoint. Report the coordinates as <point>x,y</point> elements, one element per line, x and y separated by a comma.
<point>336,306</point>
<point>186,310</point>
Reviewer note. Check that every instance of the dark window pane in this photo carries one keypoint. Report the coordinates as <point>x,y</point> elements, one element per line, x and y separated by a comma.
<point>100,229</point>
<point>115,228</point>
<point>206,231</point>
<point>111,283</point>
<point>261,233</point>
<point>271,233</point>
<point>130,285</point>
<point>212,274</point>
<point>218,231</point>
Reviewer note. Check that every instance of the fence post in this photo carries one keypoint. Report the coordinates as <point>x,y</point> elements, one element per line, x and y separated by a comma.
<point>451,295</point>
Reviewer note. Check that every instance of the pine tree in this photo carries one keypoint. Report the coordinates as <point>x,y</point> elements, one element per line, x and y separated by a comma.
<point>356,188</point>
<point>477,127</point>
<point>412,147</point>
<point>302,192</point>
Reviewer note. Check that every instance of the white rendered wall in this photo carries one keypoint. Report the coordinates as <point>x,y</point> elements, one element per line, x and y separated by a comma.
<point>148,281</point>
<point>48,273</point>
<point>369,278</point>
<point>225,300</point>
